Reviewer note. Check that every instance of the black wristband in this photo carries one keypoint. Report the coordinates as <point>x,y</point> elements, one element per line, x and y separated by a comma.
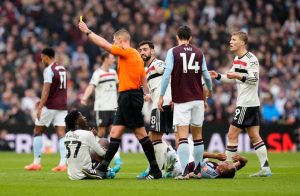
<point>89,32</point>
<point>244,79</point>
<point>218,77</point>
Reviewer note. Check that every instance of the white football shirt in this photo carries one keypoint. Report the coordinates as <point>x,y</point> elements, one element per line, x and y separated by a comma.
<point>154,77</point>
<point>247,90</point>
<point>79,143</point>
<point>105,90</point>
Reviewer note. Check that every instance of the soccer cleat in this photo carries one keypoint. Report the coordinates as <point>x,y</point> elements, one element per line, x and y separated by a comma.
<point>265,172</point>
<point>94,173</point>
<point>33,167</point>
<point>142,175</point>
<point>116,168</point>
<point>167,175</point>
<point>182,177</point>
<point>118,161</point>
<point>196,173</point>
<point>111,174</point>
<point>185,175</point>
<point>153,176</point>
<point>59,168</point>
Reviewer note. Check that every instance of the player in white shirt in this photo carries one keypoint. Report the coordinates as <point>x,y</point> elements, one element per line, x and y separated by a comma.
<point>160,122</point>
<point>245,72</point>
<point>79,143</point>
<point>104,82</point>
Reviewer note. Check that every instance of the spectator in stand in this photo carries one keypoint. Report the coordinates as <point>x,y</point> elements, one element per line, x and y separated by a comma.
<point>26,27</point>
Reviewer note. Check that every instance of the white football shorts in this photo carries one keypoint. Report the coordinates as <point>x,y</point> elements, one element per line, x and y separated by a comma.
<point>48,116</point>
<point>189,113</point>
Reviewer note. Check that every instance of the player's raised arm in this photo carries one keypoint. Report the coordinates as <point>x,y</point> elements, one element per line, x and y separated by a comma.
<point>240,161</point>
<point>96,39</point>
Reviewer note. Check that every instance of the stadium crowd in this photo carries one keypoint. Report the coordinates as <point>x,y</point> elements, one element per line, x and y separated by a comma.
<point>27,26</point>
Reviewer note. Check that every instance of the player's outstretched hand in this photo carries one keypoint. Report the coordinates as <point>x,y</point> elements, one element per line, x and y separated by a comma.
<point>213,74</point>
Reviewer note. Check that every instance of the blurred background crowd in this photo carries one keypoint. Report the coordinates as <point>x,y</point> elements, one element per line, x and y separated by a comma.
<point>27,26</point>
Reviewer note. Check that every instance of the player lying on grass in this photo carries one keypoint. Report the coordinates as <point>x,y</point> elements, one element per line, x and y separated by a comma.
<point>80,142</point>
<point>209,169</point>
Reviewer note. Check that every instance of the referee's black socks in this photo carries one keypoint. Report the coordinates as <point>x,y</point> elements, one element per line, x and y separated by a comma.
<point>149,152</point>
<point>111,151</point>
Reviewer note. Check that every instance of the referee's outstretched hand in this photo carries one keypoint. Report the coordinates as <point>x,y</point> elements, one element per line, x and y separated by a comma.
<point>83,27</point>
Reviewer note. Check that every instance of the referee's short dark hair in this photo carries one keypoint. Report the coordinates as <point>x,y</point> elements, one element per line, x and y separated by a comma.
<point>184,33</point>
<point>71,118</point>
<point>150,43</point>
<point>49,52</point>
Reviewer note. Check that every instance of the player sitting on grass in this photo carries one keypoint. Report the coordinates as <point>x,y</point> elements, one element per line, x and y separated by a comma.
<point>79,143</point>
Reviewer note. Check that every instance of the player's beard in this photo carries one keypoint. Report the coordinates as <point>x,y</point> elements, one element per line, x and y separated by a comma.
<point>146,58</point>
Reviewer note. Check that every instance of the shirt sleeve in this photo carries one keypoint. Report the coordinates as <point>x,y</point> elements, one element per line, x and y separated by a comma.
<point>206,75</point>
<point>168,72</point>
<point>223,77</point>
<point>48,75</point>
<point>94,79</point>
<point>118,51</point>
<point>91,140</point>
<point>160,67</point>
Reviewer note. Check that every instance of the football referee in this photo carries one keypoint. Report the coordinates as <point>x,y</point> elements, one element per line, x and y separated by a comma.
<point>132,76</point>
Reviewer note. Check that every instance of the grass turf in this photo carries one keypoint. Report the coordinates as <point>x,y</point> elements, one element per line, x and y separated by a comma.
<point>14,180</point>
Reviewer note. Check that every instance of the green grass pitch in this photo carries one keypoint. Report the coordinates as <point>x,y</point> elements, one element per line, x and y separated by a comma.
<point>14,180</point>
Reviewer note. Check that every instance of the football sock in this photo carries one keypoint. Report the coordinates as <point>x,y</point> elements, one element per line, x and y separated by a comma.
<point>117,155</point>
<point>37,148</point>
<point>160,151</point>
<point>198,151</point>
<point>62,151</point>
<point>261,152</point>
<point>231,150</point>
<point>111,151</point>
<point>183,153</point>
<point>149,152</point>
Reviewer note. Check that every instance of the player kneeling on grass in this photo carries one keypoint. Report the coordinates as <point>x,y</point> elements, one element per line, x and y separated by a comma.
<point>80,143</point>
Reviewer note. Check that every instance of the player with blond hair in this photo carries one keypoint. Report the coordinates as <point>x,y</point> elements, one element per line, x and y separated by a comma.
<point>245,73</point>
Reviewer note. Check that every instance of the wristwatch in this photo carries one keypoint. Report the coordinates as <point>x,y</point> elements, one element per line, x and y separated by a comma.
<point>88,32</point>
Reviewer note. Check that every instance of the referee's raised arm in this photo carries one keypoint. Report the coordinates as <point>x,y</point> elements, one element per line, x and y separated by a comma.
<point>96,39</point>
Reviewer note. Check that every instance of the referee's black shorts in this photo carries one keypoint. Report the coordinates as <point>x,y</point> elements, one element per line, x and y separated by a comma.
<point>129,112</point>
